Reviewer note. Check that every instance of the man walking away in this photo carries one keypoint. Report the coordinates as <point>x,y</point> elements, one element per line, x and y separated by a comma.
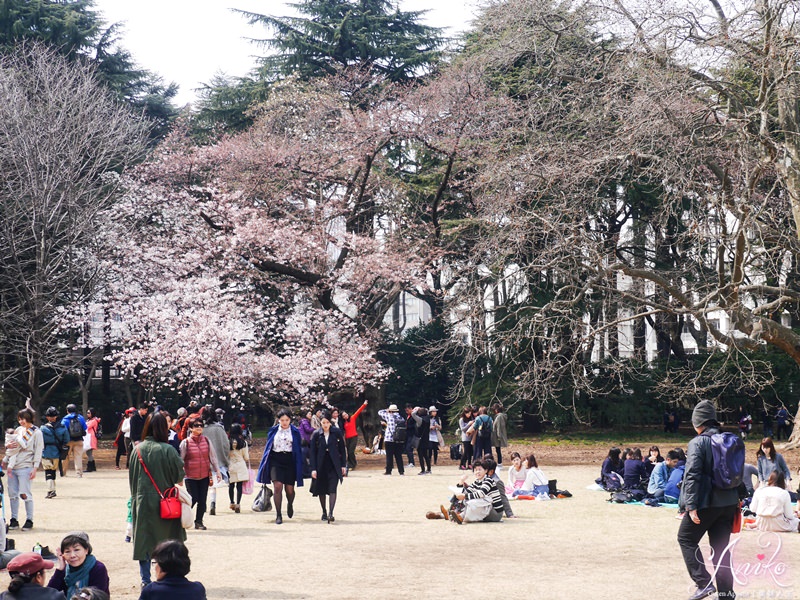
<point>708,509</point>
<point>76,428</point>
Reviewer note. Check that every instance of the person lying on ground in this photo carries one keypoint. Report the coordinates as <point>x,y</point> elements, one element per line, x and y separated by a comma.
<point>480,500</point>
<point>659,478</point>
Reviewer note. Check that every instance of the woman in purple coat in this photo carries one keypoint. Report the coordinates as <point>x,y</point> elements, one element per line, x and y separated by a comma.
<point>282,463</point>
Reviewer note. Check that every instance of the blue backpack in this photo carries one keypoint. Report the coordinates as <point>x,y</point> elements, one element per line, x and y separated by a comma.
<point>727,450</point>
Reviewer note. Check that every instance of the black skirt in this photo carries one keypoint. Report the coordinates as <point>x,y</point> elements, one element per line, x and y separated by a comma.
<point>327,479</point>
<point>281,468</point>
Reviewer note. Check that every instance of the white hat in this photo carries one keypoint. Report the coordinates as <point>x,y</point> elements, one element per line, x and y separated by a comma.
<point>393,408</point>
<point>433,409</point>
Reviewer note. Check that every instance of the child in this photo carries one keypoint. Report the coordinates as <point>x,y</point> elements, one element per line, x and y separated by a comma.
<point>10,459</point>
<point>129,526</point>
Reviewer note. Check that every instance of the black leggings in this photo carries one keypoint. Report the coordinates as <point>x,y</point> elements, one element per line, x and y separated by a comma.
<point>466,457</point>
<point>435,453</point>
<point>499,455</point>
<point>122,448</point>
<point>424,453</point>
<point>238,486</point>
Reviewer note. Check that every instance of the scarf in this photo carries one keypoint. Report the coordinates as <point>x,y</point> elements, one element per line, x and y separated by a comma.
<point>75,579</point>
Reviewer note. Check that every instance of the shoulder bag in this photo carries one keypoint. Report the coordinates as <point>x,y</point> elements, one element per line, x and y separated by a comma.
<point>170,500</point>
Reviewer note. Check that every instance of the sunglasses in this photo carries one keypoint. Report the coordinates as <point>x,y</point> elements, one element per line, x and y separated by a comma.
<point>200,425</point>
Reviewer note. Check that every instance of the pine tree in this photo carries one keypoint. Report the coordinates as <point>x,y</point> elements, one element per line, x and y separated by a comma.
<point>332,34</point>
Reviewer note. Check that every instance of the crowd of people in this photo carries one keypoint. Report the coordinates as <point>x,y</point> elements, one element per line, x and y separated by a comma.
<point>708,503</point>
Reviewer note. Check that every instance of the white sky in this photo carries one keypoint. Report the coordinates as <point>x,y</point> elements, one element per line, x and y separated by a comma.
<point>188,41</point>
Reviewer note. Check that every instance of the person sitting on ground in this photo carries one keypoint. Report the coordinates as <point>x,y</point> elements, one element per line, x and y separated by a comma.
<point>502,489</point>
<point>672,491</point>
<point>535,479</point>
<point>89,593</point>
<point>516,474</point>
<point>27,579</point>
<point>172,562</point>
<point>77,567</point>
<point>481,500</point>
<point>653,458</point>
<point>634,475</point>
<point>659,478</point>
<point>611,471</point>
<point>750,471</point>
<point>773,506</point>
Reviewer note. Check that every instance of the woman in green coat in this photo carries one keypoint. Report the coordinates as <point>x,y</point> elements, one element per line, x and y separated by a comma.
<point>166,468</point>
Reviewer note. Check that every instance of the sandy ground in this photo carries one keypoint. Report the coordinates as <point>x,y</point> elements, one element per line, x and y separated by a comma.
<point>382,546</point>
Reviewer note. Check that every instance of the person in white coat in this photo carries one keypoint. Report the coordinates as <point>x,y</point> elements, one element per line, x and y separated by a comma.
<point>773,506</point>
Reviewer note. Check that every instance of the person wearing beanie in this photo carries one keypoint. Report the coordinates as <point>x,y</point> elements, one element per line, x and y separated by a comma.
<point>707,509</point>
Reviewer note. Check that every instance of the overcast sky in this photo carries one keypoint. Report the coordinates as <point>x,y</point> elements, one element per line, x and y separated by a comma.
<point>188,41</point>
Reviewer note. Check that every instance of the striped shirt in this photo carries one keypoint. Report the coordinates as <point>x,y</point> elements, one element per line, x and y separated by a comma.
<point>485,488</point>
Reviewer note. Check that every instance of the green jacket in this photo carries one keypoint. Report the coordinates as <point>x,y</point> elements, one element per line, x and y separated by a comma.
<point>166,467</point>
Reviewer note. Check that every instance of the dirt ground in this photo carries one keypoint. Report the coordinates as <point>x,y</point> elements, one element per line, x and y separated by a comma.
<point>381,545</point>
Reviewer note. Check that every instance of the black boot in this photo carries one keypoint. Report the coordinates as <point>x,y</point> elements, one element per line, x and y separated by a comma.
<point>90,467</point>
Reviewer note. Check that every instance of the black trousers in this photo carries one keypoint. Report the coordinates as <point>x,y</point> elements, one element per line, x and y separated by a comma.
<point>424,453</point>
<point>717,522</point>
<point>394,451</point>
<point>198,489</point>
<point>350,445</point>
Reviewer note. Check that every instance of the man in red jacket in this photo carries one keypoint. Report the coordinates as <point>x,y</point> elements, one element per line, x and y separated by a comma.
<point>351,435</point>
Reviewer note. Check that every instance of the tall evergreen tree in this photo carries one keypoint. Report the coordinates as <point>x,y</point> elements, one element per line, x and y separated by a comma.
<point>332,34</point>
<point>74,29</point>
<point>373,35</point>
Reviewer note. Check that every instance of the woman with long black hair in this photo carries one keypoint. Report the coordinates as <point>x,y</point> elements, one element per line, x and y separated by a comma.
<point>464,424</point>
<point>238,472</point>
<point>282,462</point>
<point>328,465</point>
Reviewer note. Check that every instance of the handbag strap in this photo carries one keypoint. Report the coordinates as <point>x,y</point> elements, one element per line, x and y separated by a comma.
<point>144,466</point>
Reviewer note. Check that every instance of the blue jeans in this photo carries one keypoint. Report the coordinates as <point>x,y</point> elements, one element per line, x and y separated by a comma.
<point>19,482</point>
<point>144,570</point>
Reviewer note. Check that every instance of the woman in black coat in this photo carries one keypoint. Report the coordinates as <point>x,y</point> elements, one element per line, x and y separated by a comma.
<point>423,421</point>
<point>328,465</point>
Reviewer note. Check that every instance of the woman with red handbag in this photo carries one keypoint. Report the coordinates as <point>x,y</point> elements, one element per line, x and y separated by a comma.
<point>154,469</point>
<point>199,460</point>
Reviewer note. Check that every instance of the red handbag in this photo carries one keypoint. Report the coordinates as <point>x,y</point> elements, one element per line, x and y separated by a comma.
<point>737,520</point>
<point>170,499</point>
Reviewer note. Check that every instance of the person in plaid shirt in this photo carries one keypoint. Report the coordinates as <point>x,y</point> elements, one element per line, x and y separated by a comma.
<point>394,450</point>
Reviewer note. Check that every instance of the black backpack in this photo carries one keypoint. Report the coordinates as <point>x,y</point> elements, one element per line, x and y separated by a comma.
<point>400,433</point>
<point>455,451</point>
<point>485,429</point>
<point>75,429</point>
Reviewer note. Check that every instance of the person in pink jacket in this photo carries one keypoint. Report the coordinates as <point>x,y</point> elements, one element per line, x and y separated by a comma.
<point>90,444</point>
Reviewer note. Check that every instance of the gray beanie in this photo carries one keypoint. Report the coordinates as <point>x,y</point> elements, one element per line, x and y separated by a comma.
<point>703,413</point>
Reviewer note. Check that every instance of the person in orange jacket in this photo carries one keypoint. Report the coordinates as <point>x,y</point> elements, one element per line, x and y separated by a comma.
<point>351,435</point>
